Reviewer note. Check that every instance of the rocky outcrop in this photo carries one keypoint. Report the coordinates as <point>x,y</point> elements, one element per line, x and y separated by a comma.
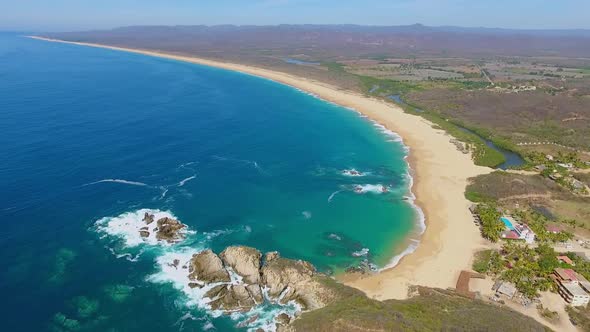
<point>244,261</point>
<point>207,268</point>
<point>148,218</point>
<point>285,280</point>
<point>169,229</point>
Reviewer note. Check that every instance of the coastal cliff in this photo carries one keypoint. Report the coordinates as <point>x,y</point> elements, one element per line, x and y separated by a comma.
<point>240,278</point>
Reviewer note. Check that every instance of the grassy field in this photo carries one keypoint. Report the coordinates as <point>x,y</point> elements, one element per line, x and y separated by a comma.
<point>432,310</point>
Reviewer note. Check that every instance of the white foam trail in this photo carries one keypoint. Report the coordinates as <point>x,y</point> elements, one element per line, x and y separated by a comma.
<point>132,183</point>
<point>164,192</point>
<point>184,181</point>
<point>186,165</point>
<point>332,195</point>
<point>306,214</point>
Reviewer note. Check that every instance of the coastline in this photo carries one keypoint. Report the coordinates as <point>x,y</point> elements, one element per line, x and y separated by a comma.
<point>439,173</point>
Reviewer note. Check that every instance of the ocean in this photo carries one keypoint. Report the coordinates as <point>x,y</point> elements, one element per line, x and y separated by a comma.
<point>91,138</point>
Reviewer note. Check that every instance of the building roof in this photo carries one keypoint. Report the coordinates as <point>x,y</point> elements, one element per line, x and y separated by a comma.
<point>507,289</point>
<point>567,274</point>
<point>565,259</point>
<point>510,235</point>
<point>575,289</point>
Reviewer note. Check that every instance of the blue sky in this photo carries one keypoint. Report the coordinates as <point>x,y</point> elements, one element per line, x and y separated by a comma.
<point>91,14</point>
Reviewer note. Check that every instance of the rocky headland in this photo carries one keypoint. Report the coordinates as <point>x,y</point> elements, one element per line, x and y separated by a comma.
<point>240,278</point>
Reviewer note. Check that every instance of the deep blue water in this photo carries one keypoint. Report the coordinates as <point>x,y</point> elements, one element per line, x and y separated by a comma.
<point>89,133</point>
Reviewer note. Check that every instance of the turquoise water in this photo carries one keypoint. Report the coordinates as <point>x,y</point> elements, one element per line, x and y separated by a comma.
<point>89,137</point>
<point>507,223</point>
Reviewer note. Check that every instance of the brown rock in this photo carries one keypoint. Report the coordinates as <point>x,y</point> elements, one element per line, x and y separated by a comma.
<point>148,218</point>
<point>144,233</point>
<point>245,261</point>
<point>169,229</point>
<point>269,256</point>
<point>230,298</point>
<point>283,319</point>
<point>255,292</point>
<point>207,267</point>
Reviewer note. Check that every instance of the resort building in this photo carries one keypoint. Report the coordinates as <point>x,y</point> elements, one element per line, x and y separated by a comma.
<point>572,287</point>
<point>516,231</point>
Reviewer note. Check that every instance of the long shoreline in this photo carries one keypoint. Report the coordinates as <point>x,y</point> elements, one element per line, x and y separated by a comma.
<point>439,172</point>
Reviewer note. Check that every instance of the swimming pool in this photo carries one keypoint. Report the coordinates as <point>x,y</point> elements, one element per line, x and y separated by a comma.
<point>507,222</point>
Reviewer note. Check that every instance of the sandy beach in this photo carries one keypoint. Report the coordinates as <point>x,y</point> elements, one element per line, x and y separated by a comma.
<point>440,174</point>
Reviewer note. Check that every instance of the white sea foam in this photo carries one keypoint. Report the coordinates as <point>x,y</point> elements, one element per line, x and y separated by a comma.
<point>184,181</point>
<point>353,172</point>
<point>334,237</point>
<point>132,183</point>
<point>262,316</point>
<point>361,253</point>
<point>127,226</point>
<point>128,256</point>
<point>306,214</point>
<point>410,249</point>
<point>370,188</point>
<point>208,326</point>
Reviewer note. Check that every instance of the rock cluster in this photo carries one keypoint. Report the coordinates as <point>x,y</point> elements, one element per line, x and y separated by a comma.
<point>167,229</point>
<point>239,274</point>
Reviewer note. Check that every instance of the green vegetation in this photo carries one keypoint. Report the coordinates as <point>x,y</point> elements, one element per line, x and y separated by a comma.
<point>386,87</point>
<point>432,310</point>
<point>537,222</point>
<point>491,226</point>
<point>529,268</point>
<point>334,67</point>
<point>488,261</point>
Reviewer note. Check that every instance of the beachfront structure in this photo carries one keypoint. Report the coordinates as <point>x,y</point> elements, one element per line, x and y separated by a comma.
<point>505,288</point>
<point>572,287</point>
<point>516,231</point>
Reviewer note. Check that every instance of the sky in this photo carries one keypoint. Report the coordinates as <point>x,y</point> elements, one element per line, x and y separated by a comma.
<point>64,15</point>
